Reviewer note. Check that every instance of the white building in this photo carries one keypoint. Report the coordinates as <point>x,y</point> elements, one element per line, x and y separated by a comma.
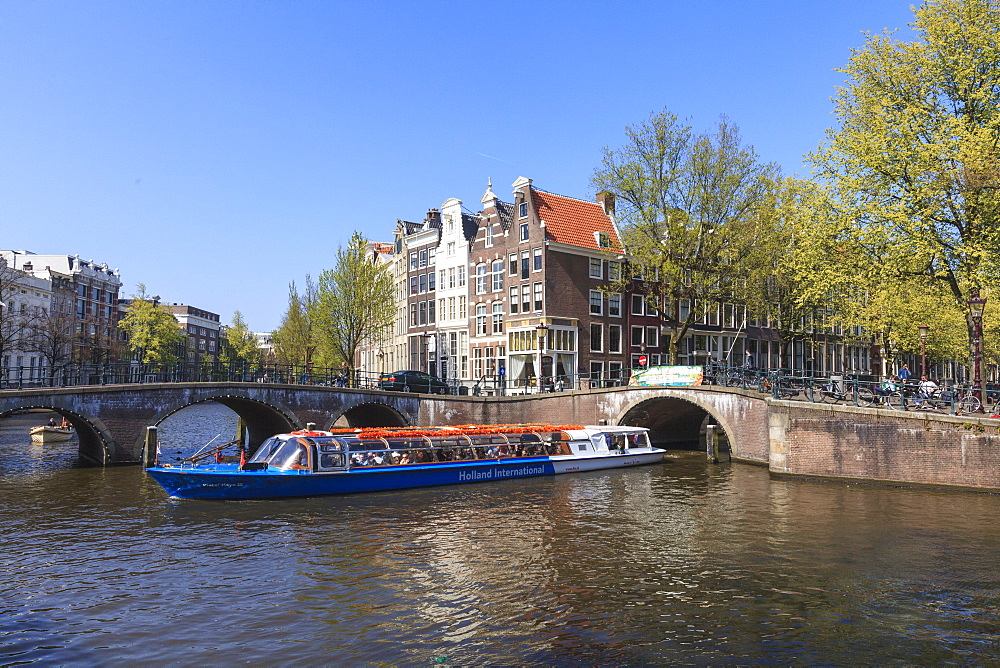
<point>25,298</point>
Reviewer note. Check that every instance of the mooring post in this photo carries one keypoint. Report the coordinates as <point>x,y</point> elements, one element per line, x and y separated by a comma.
<point>310,426</point>
<point>149,451</point>
<point>712,443</point>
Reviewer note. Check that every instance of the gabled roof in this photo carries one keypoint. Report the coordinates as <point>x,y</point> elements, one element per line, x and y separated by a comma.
<point>573,222</point>
<point>505,212</point>
<point>470,226</point>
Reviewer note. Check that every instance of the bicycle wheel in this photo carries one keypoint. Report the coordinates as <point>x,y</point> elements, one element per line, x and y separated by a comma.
<point>828,396</point>
<point>969,403</point>
<point>864,396</point>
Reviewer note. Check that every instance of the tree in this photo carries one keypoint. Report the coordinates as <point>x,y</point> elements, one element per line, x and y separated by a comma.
<point>354,302</point>
<point>239,344</point>
<point>915,158</point>
<point>295,339</point>
<point>154,335</point>
<point>695,212</point>
<point>51,334</point>
<point>11,321</point>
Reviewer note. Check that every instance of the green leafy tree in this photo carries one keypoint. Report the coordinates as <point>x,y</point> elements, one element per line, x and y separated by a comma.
<point>915,160</point>
<point>354,303</point>
<point>239,344</point>
<point>295,339</point>
<point>695,211</point>
<point>154,335</point>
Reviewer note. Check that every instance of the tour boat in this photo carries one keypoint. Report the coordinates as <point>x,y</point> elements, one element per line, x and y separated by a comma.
<point>45,434</point>
<point>345,461</point>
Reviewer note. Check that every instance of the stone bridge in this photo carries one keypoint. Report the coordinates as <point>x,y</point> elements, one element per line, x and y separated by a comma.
<point>791,437</point>
<point>111,421</point>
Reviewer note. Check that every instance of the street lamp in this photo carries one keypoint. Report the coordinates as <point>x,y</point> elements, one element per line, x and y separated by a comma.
<point>977,305</point>
<point>542,330</point>
<point>924,330</point>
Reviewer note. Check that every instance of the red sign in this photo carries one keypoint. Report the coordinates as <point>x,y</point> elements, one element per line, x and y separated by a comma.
<point>642,360</point>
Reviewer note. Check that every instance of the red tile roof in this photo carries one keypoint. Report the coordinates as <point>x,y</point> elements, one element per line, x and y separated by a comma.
<point>573,221</point>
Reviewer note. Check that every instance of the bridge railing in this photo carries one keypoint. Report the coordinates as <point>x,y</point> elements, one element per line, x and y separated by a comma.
<point>835,388</point>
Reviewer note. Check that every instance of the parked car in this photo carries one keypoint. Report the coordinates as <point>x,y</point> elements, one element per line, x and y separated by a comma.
<point>412,381</point>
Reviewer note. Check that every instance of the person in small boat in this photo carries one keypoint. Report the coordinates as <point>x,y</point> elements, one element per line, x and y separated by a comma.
<point>65,423</point>
<point>52,422</point>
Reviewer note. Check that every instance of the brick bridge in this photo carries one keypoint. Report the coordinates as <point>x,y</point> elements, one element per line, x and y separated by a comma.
<point>791,437</point>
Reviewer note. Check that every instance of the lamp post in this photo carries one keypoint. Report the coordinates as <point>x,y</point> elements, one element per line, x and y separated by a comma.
<point>924,330</point>
<point>977,305</point>
<point>542,330</point>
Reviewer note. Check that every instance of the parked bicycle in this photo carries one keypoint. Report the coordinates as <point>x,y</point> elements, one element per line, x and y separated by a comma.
<point>840,389</point>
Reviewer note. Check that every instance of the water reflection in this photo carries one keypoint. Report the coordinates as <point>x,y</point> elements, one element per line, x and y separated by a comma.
<point>680,563</point>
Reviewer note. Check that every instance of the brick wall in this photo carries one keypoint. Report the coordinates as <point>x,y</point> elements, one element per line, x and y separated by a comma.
<point>846,442</point>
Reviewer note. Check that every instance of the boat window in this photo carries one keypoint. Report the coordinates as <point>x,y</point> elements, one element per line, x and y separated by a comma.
<point>267,448</point>
<point>291,453</point>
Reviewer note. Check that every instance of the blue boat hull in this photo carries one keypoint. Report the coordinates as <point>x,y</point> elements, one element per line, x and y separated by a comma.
<point>226,481</point>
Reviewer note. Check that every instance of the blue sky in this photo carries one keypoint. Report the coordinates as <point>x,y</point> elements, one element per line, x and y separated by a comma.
<point>216,151</point>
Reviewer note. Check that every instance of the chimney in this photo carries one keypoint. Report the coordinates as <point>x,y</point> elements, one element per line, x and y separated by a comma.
<point>607,202</point>
<point>433,218</point>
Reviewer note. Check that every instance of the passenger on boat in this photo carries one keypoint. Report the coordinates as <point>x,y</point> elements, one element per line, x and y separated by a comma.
<point>65,423</point>
<point>52,422</point>
<point>406,458</point>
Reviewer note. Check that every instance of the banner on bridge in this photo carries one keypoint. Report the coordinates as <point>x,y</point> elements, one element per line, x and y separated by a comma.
<point>667,376</point>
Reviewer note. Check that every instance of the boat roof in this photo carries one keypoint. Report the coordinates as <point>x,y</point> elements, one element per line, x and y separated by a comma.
<point>365,433</point>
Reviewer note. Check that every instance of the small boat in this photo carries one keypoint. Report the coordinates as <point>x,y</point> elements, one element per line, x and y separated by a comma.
<point>47,434</point>
<point>346,461</point>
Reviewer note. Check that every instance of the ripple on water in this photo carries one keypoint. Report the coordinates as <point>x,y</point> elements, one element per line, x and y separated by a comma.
<point>679,563</point>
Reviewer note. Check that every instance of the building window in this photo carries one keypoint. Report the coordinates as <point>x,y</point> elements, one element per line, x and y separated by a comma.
<point>461,276</point>
<point>462,311</point>
<point>413,285</point>
<point>596,302</point>
<point>489,236</point>
<point>423,283</point>
<point>652,338</point>
<point>637,335</point>
<point>451,308</point>
<point>422,313</point>
<point>497,317</point>
<point>596,267</point>
<point>614,338</point>
<point>523,227</point>
<point>513,299</point>
<point>651,308</point>
<point>596,337</point>
<point>603,240</point>
<point>413,260</point>
<point>413,315</point>
<point>480,319</point>
<point>513,263</point>
<point>615,305</point>
<point>481,279</point>
<point>497,275</point>
<point>538,297</point>
<point>451,249</point>
<point>525,298</point>
<point>637,301</point>
<point>536,259</point>
<point>423,258</point>
<point>431,311</point>
<point>522,210</point>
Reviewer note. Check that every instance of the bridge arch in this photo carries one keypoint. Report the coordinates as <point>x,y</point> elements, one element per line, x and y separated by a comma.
<point>92,435</point>
<point>262,419</point>
<point>371,414</point>
<point>677,420</point>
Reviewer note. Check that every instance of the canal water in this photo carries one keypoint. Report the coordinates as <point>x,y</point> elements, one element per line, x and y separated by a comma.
<point>684,562</point>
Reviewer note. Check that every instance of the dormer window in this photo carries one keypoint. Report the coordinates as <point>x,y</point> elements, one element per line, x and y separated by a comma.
<point>522,210</point>
<point>603,239</point>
